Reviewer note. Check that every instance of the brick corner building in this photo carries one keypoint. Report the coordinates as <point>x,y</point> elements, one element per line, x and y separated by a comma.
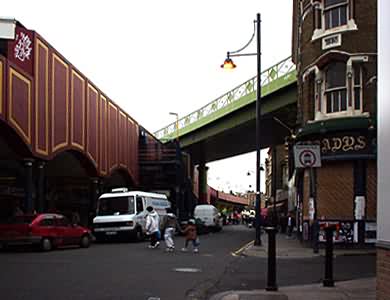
<point>335,50</point>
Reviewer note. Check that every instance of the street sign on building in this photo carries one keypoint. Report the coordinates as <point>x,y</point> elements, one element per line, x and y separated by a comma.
<point>307,156</point>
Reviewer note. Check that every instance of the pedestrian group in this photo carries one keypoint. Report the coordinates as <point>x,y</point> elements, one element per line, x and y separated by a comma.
<point>169,226</point>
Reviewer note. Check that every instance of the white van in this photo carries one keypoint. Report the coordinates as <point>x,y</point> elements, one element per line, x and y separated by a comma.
<point>123,214</point>
<point>209,216</point>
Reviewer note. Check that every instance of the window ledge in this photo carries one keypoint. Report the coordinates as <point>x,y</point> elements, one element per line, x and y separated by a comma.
<point>320,33</point>
<point>320,116</point>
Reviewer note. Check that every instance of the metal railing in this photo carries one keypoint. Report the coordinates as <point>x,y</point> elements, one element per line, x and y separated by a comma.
<point>272,79</point>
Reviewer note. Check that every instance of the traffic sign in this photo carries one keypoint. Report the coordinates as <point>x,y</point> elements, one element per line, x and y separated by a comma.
<point>307,156</point>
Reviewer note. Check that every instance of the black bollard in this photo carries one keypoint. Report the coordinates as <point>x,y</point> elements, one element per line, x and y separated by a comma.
<point>328,280</point>
<point>271,276</point>
<point>316,232</point>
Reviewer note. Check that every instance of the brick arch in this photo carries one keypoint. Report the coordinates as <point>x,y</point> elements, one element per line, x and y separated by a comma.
<point>331,56</point>
<point>83,160</point>
<point>15,140</point>
<point>119,177</point>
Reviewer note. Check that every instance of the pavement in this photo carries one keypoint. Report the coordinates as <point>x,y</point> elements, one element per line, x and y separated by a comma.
<point>290,247</point>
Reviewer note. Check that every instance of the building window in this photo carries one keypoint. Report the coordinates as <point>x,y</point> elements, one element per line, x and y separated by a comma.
<point>339,89</point>
<point>335,13</point>
<point>332,16</point>
<point>336,88</point>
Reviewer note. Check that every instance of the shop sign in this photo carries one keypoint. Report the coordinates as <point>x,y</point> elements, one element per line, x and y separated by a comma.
<point>346,144</point>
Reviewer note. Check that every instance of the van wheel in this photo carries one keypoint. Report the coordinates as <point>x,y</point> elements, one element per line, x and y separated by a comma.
<point>85,241</point>
<point>46,244</point>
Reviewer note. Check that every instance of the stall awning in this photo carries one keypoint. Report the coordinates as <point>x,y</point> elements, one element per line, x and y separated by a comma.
<point>335,124</point>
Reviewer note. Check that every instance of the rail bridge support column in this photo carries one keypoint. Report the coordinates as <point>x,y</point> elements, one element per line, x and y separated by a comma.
<point>202,169</point>
<point>40,199</point>
<point>29,205</point>
<point>94,195</point>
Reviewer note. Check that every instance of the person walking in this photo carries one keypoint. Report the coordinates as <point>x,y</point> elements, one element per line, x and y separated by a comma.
<point>152,227</point>
<point>191,236</point>
<point>290,225</point>
<point>170,225</point>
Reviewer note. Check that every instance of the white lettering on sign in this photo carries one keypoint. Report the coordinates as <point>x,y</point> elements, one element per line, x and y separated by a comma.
<point>23,47</point>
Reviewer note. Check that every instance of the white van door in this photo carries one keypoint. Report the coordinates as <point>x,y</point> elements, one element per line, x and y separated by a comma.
<point>140,212</point>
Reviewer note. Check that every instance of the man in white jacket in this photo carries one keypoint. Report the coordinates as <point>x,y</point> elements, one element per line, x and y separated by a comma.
<point>152,227</point>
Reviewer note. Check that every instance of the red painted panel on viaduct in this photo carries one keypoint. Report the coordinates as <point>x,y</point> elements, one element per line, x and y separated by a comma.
<point>92,123</point>
<point>123,142</point>
<point>77,136</point>
<point>103,135</point>
<point>54,108</point>
<point>60,103</point>
<point>112,136</point>
<point>132,154</point>
<point>42,98</point>
<point>19,104</point>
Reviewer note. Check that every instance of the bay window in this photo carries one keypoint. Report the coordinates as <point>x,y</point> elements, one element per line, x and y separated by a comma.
<point>335,88</point>
<point>339,89</point>
<point>332,16</point>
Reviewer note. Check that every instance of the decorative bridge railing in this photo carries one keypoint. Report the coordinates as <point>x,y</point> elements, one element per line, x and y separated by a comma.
<point>272,79</point>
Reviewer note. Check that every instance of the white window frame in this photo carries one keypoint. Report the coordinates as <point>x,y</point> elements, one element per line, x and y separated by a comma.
<point>320,92</point>
<point>335,7</point>
<point>360,86</point>
<point>322,32</point>
<point>333,92</point>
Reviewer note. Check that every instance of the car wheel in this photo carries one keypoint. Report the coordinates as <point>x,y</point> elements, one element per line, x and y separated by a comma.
<point>46,244</point>
<point>85,241</point>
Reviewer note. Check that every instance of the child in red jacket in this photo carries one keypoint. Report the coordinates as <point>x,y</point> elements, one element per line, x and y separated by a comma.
<point>191,236</point>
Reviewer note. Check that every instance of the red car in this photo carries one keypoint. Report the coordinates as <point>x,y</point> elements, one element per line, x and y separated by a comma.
<point>46,230</point>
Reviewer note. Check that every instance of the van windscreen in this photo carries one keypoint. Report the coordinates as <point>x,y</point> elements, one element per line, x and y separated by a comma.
<point>116,206</point>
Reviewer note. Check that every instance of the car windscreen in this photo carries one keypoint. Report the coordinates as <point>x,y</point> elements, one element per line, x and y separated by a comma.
<point>203,212</point>
<point>119,205</point>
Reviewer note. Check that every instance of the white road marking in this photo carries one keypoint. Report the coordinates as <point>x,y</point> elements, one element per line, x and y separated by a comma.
<point>187,270</point>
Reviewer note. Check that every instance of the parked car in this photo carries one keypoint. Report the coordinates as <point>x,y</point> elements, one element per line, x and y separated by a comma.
<point>208,216</point>
<point>45,230</point>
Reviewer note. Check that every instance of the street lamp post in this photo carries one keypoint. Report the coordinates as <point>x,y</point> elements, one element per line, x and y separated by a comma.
<point>229,64</point>
<point>176,124</point>
<point>179,203</point>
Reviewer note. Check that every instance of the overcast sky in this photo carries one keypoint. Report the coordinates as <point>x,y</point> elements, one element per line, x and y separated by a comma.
<point>159,56</point>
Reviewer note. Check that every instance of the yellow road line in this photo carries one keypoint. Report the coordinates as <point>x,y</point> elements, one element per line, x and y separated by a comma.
<point>238,252</point>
